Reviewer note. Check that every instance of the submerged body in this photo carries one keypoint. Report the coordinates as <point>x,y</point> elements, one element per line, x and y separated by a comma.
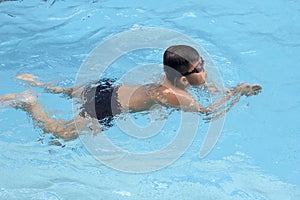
<point>105,100</point>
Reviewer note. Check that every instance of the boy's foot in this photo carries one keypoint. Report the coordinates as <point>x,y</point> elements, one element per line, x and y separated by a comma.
<point>31,79</point>
<point>22,100</point>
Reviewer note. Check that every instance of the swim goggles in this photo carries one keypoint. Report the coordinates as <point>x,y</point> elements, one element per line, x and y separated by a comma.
<point>199,68</point>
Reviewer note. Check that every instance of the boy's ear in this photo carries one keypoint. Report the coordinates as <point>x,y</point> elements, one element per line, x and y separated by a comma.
<point>183,81</point>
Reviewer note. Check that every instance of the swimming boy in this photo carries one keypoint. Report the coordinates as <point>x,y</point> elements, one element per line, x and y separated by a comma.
<point>183,66</point>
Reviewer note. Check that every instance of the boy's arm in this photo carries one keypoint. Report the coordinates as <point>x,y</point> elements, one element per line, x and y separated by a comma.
<point>186,102</point>
<point>182,100</point>
<point>242,89</point>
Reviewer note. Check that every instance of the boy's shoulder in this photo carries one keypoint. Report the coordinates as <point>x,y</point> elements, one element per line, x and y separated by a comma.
<point>170,96</point>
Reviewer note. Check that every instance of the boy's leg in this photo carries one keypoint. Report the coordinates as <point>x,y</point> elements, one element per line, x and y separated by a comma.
<point>27,102</point>
<point>71,92</point>
<point>22,100</point>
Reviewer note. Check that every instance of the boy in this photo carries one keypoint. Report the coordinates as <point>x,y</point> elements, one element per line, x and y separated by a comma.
<point>183,66</point>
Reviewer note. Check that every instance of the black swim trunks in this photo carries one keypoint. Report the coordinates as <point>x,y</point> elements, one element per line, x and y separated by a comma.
<point>101,101</point>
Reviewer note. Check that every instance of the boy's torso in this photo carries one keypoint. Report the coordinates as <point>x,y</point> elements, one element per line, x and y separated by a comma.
<point>139,98</point>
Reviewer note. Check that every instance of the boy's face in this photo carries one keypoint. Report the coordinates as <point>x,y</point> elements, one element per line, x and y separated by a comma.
<point>197,74</point>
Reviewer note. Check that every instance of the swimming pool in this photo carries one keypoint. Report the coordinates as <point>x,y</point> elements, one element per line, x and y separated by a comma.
<point>257,154</point>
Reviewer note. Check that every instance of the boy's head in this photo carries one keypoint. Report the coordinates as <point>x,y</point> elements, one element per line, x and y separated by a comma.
<point>183,63</point>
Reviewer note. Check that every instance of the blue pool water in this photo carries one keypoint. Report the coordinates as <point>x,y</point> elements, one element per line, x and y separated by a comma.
<point>257,155</point>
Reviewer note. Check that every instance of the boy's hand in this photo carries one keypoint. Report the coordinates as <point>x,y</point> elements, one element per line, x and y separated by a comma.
<point>248,89</point>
